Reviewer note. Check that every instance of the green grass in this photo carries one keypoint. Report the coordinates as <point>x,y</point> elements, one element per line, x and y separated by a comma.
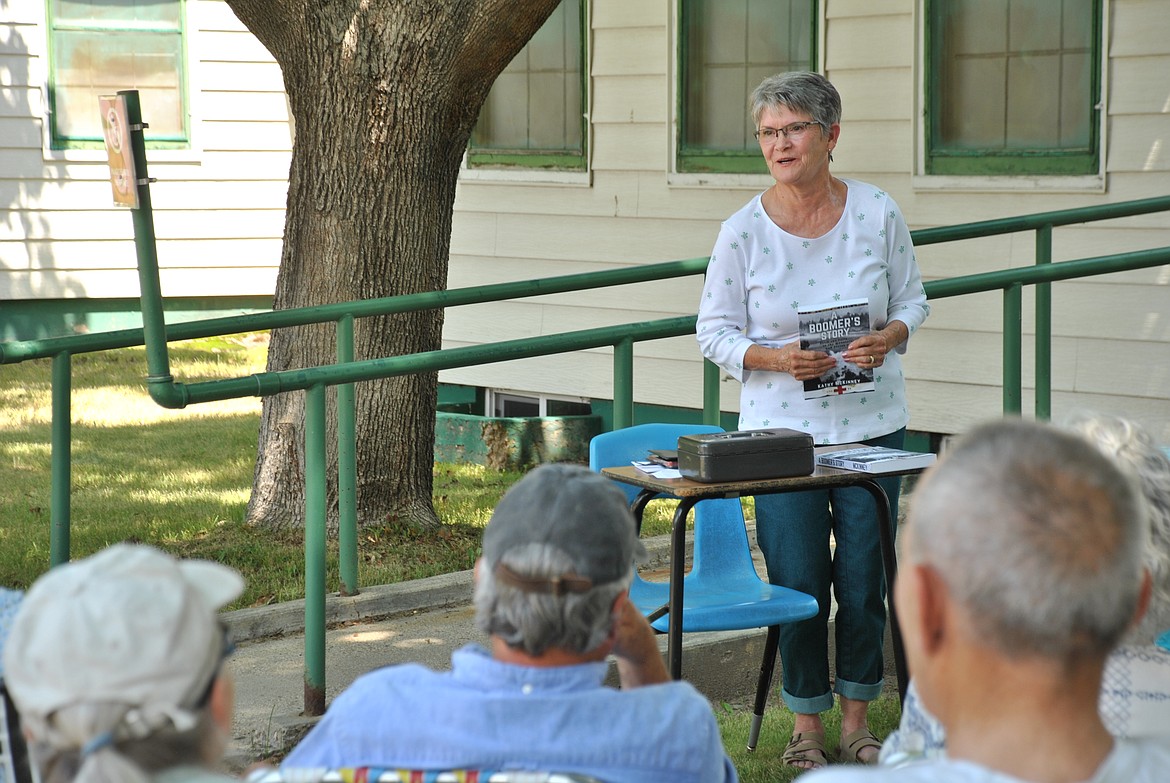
<point>763,765</point>
<point>180,480</point>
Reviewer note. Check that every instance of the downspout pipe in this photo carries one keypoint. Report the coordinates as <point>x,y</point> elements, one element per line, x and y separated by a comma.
<point>159,381</point>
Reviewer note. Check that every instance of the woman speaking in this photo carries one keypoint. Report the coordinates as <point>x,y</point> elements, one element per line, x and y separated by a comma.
<point>833,254</point>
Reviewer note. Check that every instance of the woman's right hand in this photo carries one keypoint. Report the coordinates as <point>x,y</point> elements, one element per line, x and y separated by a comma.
<point>800,364</point>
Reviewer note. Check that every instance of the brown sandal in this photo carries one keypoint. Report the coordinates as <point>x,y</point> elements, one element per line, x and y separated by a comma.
<point>853,743</point>
<point>807,747</point>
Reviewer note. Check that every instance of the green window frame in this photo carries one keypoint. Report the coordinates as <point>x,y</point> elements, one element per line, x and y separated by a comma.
<point>534,116</point>
<point>1013,87</point>
<point>100,48</point>
<point>726,48</point>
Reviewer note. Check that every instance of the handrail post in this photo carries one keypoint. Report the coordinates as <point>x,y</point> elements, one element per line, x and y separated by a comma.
<point>1012,348</point>
<point>1044,327</point>
<point>60,459</point>
<point>346,466</point>
<point>154,329</point>
<point>710,393</point>
<point>623,383</point>
<point>315,521</point>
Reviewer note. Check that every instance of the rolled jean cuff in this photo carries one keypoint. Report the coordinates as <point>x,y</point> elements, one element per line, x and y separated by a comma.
<point>857,691</point>
<point>813,706</point>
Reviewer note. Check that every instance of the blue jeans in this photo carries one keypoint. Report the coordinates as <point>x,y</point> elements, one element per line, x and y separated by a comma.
<point>793,533</point>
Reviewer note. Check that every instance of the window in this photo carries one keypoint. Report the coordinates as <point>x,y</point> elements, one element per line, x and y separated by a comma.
<point>727,48</point>
<point>525,404</point>
<point>534,116</point>
<point>101,48</point>
<point>1013,86</point>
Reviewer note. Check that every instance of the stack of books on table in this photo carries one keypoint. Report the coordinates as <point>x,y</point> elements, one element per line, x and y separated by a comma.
<point>876,459</point>
<point>660,463</point>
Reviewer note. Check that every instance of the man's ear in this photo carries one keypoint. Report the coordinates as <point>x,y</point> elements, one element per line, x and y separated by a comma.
<point>931,606</point>
<point>1145,594</point>
<point>615,612</point>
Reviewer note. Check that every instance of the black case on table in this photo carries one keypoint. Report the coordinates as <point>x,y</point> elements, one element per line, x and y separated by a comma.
<point>745,455</point>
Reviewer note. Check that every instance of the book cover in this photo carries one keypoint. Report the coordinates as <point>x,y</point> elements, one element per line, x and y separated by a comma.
<point>876,459</point>
<point>667,457</point>
<point>830,328</point>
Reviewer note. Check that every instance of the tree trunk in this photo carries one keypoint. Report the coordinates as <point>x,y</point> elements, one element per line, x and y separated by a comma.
<point>383,94</point>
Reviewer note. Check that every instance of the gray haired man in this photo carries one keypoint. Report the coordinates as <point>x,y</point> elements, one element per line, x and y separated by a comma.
<point>1022,568</point>
<point>551,592</point>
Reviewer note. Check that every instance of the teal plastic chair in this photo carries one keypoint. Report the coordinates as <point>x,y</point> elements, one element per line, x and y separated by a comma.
<point>722,592</point>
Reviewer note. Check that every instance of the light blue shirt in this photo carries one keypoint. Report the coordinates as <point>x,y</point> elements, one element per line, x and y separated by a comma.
<point>9,603</point>
<point>489,715</point>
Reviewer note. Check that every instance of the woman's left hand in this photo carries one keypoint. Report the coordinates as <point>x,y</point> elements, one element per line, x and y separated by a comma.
<point>870,351</point>
<point>867,352</point>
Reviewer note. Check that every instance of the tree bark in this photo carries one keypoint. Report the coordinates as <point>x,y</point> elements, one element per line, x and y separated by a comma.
<point>383,95</point>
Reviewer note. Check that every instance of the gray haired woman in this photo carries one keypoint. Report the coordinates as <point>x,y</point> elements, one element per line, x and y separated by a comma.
<point>115,663</point>
<point>816,254</point>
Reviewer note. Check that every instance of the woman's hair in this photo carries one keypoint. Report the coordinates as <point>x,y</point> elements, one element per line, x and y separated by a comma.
<point>804,92</point>
<point>126,760</point>
<point>535,621</point>
<point>1135,451</point>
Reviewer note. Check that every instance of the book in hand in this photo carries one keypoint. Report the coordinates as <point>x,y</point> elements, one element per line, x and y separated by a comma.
<point>830,328</point>
<point>876,459</point>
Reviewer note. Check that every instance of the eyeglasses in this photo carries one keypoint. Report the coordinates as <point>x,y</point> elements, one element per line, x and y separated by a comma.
<point>793,130</point>
<point>227,647</point>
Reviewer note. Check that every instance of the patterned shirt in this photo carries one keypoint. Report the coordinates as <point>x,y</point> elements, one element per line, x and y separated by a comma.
<point>9,603</point>
<point>1134,702</point>
<point>760,276</point>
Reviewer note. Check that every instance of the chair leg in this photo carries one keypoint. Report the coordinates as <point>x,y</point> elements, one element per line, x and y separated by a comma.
<point>767,666</point>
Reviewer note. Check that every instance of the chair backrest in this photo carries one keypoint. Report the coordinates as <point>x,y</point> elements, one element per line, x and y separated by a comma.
<point>7,756</point>
<point>721,544</point>
<point>379,775</point>
<point>15,765</point>
<point>621,447</point>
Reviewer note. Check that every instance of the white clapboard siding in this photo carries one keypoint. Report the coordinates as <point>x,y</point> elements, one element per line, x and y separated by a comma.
<point>1146,146</point>
<point>629,51</point>
<point>1138,29</point>
<point>675,296</point>
<point>629,99</point>
<point>629,15</point>
<point>117,283</point>
<point>245,106</point>
<point>219,206</point>
<point>258,77</point>
<point>220,210</point>
<point>613,194</point>
<point>876,94</point>
<point>626,146</point>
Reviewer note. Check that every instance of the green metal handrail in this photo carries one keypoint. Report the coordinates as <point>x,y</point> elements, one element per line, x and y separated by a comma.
<point>166,391</point>
<point>1042,223</point>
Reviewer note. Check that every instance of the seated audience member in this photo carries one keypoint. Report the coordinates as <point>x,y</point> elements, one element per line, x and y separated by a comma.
<point>115,664</point>
<point>1021,570</point>
<point>1135,692</point>
<point>551,591</point>
<point>13,740</point>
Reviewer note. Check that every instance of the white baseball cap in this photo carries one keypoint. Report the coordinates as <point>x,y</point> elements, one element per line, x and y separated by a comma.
<point>129,626</point>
